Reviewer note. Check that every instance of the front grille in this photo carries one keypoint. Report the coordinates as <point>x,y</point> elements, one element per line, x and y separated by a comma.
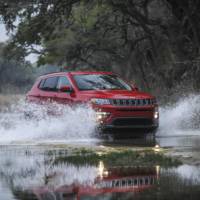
<point>132,122</point>
<point>135,109</point>
<point>132,102</point>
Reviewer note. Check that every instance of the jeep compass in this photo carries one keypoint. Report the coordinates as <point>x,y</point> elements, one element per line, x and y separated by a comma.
<point>118,105</point>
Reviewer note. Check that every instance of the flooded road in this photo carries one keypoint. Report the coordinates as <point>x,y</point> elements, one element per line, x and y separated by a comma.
<point>54,173</point>
<point>63,159</point>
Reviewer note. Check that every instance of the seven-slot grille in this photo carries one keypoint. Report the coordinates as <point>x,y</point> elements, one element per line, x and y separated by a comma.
<point>132,102</point>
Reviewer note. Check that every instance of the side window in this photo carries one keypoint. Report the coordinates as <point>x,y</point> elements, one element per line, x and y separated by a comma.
<point>49,84</point>
<point>41,83</point>
<point>63,81</point>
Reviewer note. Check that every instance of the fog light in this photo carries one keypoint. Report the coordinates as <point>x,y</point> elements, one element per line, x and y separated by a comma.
<point>100,116</point>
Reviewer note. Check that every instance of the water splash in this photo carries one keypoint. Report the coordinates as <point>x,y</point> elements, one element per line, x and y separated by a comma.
<point>77,124</point>
<point>181,118</point>
<point>31,170</point>
<point>47,123</point>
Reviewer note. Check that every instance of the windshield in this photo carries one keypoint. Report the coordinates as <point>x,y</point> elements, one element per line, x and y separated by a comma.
<point>100,82</point>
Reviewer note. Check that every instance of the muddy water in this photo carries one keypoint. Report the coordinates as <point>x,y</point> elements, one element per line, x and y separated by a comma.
<point>49,172</point>
<point>35,164</point>
<point>38,173</point>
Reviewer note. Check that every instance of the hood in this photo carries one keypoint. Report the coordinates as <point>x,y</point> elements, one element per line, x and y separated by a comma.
<point>117,94</point>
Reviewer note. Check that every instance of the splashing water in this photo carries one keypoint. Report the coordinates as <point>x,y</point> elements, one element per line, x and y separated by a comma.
<point>65,124</point>
<point>181,118</point>
<point>27,171</point>
<point>78,124</point>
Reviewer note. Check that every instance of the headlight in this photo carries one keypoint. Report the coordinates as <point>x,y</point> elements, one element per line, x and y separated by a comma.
<point>156,113</point>
<point>100,101</point>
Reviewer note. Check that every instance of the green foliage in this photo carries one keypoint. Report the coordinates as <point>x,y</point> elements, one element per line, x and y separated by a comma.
<point>145,40</point>
<point>15,73</point>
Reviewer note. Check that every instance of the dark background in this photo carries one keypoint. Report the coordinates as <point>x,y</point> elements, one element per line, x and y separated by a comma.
<point>154,43</point>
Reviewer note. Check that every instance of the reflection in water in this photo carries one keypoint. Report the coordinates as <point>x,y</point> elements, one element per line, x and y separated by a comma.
<point>37,174</point>
<point>113,180</point>
<point>135,141</point>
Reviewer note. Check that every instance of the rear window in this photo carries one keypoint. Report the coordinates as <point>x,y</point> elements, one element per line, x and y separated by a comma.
<point>49,84</point>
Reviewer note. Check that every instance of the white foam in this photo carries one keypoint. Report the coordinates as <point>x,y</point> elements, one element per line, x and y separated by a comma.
<point>78,124</point>
<point>27,171</point>
<point>69,124</point>
<point>181,118</point>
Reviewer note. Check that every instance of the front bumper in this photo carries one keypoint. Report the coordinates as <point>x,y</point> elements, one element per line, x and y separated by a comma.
<point>129,117</point>
<point>131,123</point>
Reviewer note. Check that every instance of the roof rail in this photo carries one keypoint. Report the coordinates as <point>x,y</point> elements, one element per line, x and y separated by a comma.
<point>51,73</point>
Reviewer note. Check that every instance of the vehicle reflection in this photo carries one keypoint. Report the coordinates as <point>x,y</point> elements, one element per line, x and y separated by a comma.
<point>138,140</point>
<point>108,181</point>
<point>41,173</point>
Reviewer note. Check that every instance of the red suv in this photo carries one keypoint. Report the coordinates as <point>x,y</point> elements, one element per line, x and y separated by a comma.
<point>117,104</point>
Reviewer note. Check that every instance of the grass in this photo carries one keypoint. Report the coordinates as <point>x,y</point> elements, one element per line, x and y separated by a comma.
<point>119,158</point>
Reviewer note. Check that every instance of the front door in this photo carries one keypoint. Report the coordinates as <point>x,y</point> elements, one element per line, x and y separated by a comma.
<point>64,97</point>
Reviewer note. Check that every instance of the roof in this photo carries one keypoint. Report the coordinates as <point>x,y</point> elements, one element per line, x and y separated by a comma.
<point>76,73</point>
<point>89,72</point>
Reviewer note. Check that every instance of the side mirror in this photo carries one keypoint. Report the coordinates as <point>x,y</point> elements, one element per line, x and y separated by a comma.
<point>65,88</point>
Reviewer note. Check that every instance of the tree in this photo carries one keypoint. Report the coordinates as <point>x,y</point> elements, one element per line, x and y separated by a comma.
<point>140,39</point>
<point>15,74</point>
